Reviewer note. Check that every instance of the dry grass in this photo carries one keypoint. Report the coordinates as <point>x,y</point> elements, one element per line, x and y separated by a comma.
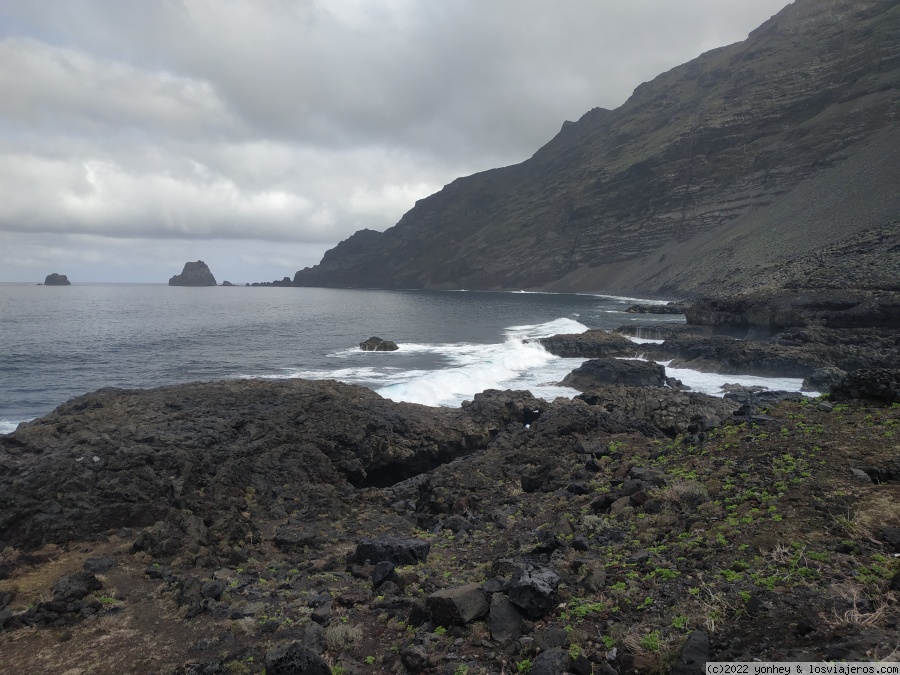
<point>685,493</point>
<point>341,636</point>
<point>862,612</point>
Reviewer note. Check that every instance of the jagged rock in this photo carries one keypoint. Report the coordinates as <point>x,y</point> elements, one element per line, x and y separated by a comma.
<point>295,659</point>
<point>212,590</point>
<point>376,344</point>
<point>194,274</point>
<point>668,308</point>
<point>457,606</point>
<point>600,372</point>
<point>534,591</point>
<point>882,384</point>
<point>384,572</point>
<point>392,549</point>
<point>293,439</point>
<point>591,344</point>
<point>415,658</point>
<point>823,379</point>
<point>672,412</point>
<point>75,586</point>
<point>57,280</point>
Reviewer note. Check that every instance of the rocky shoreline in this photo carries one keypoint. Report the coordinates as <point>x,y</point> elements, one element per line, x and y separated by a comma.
<point>314,527</point>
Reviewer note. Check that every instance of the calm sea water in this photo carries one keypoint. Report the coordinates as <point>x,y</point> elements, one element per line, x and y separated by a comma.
<point>60,342</point>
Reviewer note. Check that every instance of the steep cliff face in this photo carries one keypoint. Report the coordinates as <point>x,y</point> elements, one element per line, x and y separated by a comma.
<point>728,135</point>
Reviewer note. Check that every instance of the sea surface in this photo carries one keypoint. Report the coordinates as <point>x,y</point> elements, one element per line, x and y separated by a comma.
<point>61,342</point>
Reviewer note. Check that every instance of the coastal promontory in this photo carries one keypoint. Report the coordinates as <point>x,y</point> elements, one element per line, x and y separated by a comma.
<point>57,280</point>
<point>194,274</point>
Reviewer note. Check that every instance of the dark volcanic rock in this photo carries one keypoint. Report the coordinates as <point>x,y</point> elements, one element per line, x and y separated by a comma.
<point>534,591</point>
<point>393,550</point>
<point>57,280</point>
<point>668,308</point>
<point>457,606</point>
<point>75,586</point>
<point>376,344</point>
<point>504,621</point>
<point>881,384</point>
<point>295,659</point>
<point>765,314</point>
<point>600,372</point>
<point>694,655</point>
<point>555,661</point>
<point>669,410</point>
<point>182,461</point>
<point>591,344</point>
<point>194,274</point>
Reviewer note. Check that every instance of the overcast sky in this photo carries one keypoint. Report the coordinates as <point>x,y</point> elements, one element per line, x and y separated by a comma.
<point>136,135</point>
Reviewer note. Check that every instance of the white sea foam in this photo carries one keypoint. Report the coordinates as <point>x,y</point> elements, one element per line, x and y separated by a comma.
<point>555,327</point>
<point>625,299</point>
<point>711,383</point>
<point>513,364</point>
<point>9,426</point>
<point>645,341</point>
<point>469,368</point>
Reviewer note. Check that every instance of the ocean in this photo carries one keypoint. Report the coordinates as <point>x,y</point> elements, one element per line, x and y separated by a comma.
<point>61,342</point>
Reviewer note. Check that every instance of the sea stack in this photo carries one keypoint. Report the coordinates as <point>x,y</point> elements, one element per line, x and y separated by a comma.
<point>57,280</point>
<point>194,274</point>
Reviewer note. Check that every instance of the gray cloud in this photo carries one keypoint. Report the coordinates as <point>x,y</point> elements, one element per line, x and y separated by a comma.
<point>296,123</point>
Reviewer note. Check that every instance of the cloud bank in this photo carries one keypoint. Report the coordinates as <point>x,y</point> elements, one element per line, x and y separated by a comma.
<point>137,135</point>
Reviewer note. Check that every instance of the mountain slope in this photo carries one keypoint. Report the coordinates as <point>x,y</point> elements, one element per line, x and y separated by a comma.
<point>725,144</point>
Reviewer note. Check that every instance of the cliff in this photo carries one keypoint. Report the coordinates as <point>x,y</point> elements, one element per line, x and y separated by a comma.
<point>194,274</point>
<point>715,174</point>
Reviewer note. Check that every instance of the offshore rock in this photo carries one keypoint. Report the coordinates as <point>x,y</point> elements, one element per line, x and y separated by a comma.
<point>57,280</point>
<point>194,274</point>
<point>376,344</point>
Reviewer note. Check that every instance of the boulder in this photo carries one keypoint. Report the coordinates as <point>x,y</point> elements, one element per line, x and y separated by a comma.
<point>194,274</point>
<point>376,344</point>
<point>57,280</point>
<point>295,659</point>
<point>75,586</point>
<point>504,620</point>
<point>599,372</point>
<point>554,661</point>
<point>391,549</point>
<point>693,656</point>
<point>534,591</point>
<point>457,606</point>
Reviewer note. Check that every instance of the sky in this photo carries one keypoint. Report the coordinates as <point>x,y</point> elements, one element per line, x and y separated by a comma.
<point>136,135</point>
